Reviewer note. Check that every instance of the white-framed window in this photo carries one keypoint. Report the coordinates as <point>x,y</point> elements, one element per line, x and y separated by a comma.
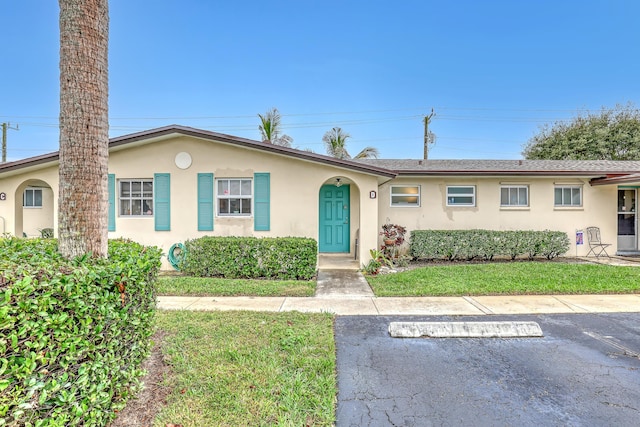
<point>567,195</point>
<point>514,195</point>
<point>234,196</point>
<point>405,195</point>
<point>136,197</point>
<point>32,198</point>
<point>461,195</point>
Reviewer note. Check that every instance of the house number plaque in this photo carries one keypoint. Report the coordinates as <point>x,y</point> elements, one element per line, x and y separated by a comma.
<point>3,196</point>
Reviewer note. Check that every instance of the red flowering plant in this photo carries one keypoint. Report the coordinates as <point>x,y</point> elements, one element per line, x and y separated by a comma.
<point>393,234</point>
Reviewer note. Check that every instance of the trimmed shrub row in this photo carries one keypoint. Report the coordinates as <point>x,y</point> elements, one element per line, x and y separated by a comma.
<point>72,333</point>
<point>251,257</point>
<point>487,244</point>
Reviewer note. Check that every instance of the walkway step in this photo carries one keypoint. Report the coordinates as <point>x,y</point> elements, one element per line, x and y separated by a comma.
<point>342,283</point>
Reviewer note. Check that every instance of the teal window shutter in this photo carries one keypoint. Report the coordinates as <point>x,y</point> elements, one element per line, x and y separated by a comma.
<point>205,202</point>
<point>112,202</point>
<point>261,216</point>
<point>162,201</point>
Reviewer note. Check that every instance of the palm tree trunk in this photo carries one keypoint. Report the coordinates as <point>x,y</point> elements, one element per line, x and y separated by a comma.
<point>84,127</point>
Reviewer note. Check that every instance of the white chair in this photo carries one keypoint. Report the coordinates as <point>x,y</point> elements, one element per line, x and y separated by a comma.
<point>596,247</point>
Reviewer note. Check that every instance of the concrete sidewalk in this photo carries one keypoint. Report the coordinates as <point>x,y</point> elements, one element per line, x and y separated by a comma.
<point>366,305</point>
<point>343,290</point>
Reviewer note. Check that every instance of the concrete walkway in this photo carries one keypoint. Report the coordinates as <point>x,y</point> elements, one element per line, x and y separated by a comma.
<point>343,290</point>
<point>336,283</point>
<point>353,305</point>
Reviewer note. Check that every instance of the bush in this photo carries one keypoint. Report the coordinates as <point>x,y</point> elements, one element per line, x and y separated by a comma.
<point>72,333</point>
<point>486,244</point>
<point>372,267</point>
<point>251,257</point>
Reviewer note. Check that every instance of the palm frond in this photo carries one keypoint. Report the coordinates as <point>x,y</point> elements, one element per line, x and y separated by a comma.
<point>335,141</point>
<point>368,153</point>
<point>269,128</point>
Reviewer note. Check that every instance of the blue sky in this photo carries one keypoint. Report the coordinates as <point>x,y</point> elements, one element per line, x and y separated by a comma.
<point>493,71</point>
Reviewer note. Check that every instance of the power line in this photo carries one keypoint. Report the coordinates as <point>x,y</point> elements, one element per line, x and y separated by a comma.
<point>419,113</point>
<point>243,124</point>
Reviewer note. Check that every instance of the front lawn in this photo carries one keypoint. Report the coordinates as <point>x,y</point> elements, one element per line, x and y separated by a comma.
<point>208,286</point>
<point>249,368</point>
<point>508,278</point>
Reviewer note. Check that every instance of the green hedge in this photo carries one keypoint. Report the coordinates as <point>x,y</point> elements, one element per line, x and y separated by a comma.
<point>487,244</point>
<point>251,257</point>
<point>72,333</point>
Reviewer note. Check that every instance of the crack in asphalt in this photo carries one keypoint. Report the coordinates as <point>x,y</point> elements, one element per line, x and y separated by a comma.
<point>626,351</point>
<point>566,378</point>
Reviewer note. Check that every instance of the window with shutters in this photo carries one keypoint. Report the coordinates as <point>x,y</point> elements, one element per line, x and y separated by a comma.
<point>234,197</point>
<point>135,197</point>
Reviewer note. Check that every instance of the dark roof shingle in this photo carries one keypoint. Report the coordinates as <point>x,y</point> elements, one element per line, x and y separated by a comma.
<point>505,167</point>
<point>163,132</point>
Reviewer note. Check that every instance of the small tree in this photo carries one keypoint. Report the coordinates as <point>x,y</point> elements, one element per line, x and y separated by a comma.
<point>270,124</point>
<point>611,134</point>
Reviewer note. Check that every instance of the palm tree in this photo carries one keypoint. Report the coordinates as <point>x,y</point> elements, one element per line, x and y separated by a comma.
<point>84,128</point>
<point>270,129</point>
<point>335,141</point>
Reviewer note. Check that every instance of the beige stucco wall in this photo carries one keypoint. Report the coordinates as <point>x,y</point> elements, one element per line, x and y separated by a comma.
<point>294,191</point>
<point>294,198</point>
<point>599,208</point>
<point>35,219</point>
<point>16,220</point>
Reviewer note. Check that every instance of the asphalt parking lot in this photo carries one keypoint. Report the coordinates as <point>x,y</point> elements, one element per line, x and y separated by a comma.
<point>585,371</point>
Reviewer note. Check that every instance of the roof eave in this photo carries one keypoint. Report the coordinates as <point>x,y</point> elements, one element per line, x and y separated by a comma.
<point>208,135</point>
<point>30,162</point>
<point>256,145</point>
<point>467,172</point>
<point>616,179</point>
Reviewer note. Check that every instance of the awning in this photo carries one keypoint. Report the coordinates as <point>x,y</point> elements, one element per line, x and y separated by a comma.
<point>633,178</point>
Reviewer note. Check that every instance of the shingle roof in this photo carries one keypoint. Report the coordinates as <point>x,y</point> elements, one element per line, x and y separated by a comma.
<point>506,167</point>
<point>163,132</point>
<point>382,167</point>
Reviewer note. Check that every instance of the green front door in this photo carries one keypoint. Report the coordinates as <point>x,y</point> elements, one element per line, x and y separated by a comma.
<point>334,219</point>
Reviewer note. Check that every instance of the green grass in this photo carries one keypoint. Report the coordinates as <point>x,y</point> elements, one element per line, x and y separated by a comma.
<point>249,369</point>
<point>207,286</point>
<point>508,278</point>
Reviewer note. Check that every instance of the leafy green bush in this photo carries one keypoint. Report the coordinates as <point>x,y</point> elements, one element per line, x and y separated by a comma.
<point>251,257</point>
<point>554,244</point>
<point>487,244</point>
<point>72,333</point>
<point>372,267</point>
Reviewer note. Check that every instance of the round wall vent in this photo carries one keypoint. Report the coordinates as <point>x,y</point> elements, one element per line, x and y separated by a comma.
<point>183,160</point>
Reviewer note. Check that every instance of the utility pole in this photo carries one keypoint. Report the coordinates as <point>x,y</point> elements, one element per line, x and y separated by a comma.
<point>428,138</point>
<point>5,126</point>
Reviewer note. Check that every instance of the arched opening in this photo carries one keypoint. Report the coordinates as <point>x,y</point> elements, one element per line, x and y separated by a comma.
<point>34,209</point>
